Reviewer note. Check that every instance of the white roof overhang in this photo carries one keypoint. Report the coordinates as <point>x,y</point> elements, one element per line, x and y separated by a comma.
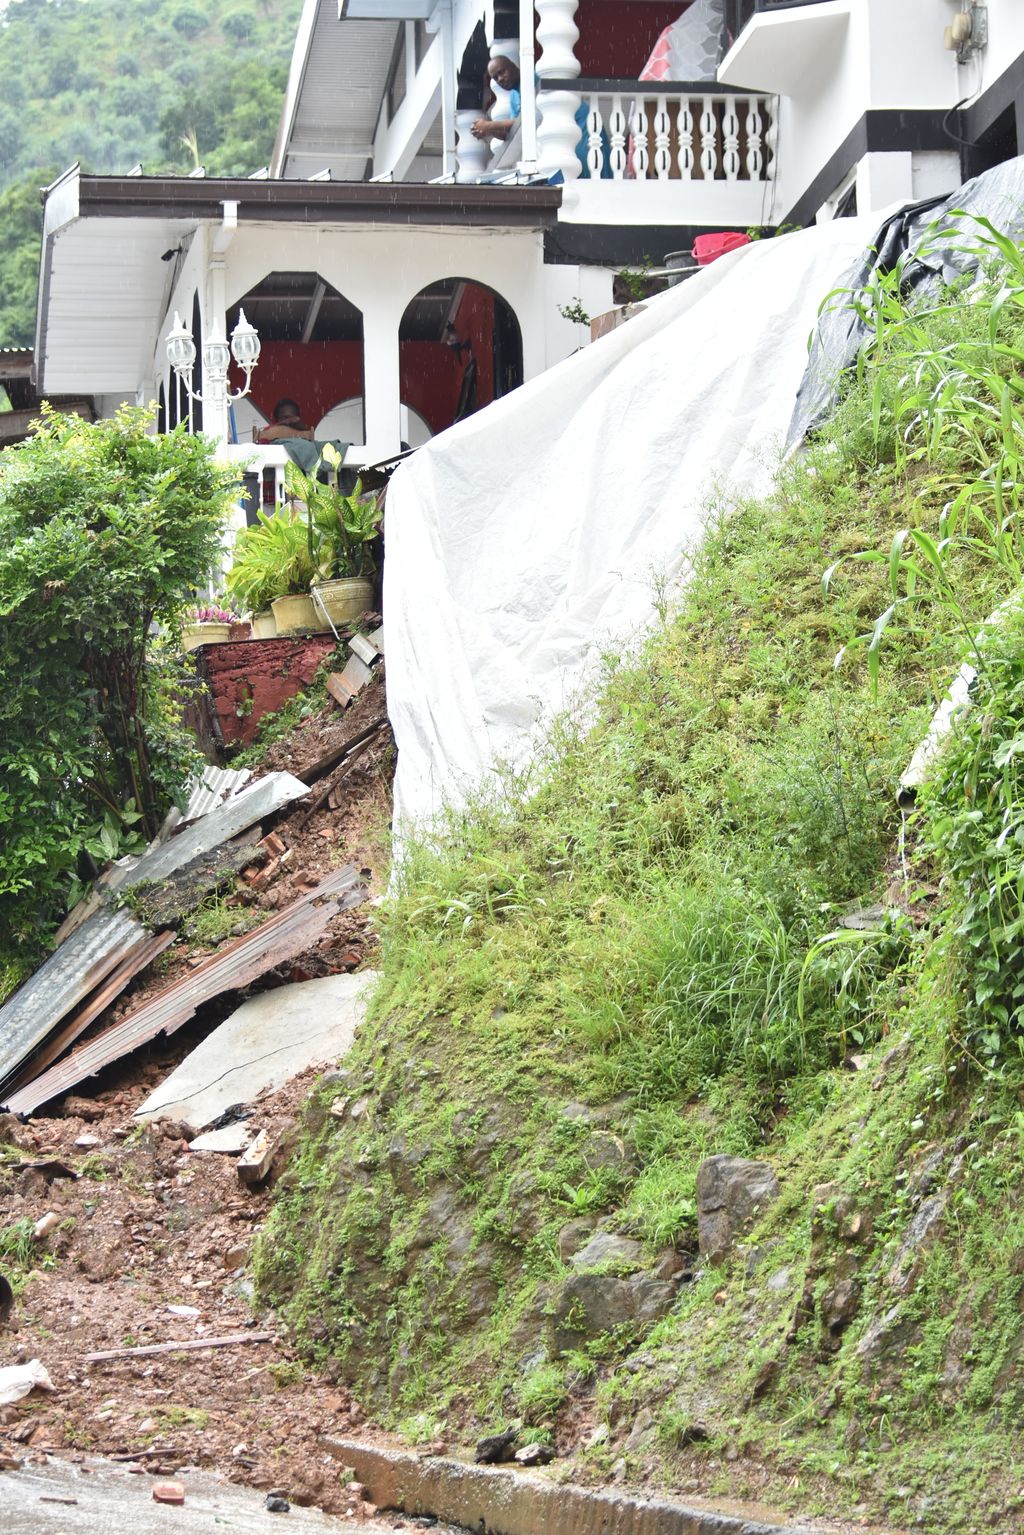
<point>103,290</point>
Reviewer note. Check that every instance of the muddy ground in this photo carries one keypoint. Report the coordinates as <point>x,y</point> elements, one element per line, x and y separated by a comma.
<point>144,1225</point>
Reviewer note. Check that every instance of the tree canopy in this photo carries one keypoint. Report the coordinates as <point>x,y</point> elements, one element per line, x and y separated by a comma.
<point>110,83</point>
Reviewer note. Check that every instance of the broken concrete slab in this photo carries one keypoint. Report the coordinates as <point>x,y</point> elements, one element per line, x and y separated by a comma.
<point>266,1042</point>
<point>230,1140</point>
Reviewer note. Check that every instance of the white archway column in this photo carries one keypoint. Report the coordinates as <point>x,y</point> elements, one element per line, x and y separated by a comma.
<point>381,380</point>
<point>558,134</point>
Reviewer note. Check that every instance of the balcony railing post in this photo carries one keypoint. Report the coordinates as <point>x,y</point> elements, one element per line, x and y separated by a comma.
<point>708,139</point>
<point>559,132</point>
<point>685,131</point>
<point>755,158</point>
<point>471,154</point>
<point>617,139</point>
<point>662,130</point>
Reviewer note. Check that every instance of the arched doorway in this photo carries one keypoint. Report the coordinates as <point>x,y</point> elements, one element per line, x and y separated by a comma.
<point>460,348</point>
<point>312,351</point>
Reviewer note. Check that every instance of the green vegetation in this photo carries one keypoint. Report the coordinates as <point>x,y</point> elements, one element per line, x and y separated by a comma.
<point>105,531</point>
<point>110,83</point>
<point>634,956</point>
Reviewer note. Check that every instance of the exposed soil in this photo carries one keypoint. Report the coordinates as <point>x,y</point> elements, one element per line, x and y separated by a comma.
<point>147,1225</point>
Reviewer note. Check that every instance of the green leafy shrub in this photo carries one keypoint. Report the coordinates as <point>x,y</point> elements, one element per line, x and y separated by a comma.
<point>270,560</point>
<point>105,532</point>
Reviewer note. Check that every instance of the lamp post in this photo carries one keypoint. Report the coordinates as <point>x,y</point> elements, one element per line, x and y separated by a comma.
<point>217,355</point>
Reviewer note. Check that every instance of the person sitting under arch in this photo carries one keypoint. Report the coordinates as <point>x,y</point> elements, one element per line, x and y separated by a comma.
<point>287,422</point>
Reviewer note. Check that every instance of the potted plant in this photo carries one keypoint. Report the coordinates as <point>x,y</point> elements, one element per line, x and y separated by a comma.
<point>206,624</point>
<point>272,568</point>
<point>340,530</point>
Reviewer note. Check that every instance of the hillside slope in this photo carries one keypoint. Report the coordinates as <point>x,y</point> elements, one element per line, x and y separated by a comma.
<point>110,83</point>
<point>704,928</point>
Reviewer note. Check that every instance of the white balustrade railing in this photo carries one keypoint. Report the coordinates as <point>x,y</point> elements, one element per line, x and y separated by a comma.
<point>641,132</point>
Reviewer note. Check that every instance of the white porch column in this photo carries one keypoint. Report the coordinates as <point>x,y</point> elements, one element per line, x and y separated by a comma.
<point>382,390</point>
<point>527,88</point>
<point>559,132</point>
<point>449,87</point>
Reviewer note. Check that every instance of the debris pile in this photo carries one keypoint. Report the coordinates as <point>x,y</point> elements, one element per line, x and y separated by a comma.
<point>267,847</point>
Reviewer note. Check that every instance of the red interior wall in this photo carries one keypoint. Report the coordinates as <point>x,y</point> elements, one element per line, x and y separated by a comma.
<point>474,321</point>
<point>617,36</point>
<point>431,374</point>
<point>430,378</point>
<point>317,376</point>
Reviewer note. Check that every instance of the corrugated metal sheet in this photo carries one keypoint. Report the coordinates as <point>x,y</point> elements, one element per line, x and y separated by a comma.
<point>62,982</point>
<point>137,959</point>
<point>219,826</point>
<point>213,787</point>
<point>288,933</point>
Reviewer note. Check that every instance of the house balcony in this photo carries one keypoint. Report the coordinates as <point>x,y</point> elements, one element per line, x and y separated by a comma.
<point>634,152</point>
<point>776,44</point>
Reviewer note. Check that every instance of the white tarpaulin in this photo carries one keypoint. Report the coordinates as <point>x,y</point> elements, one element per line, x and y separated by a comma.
<point>524,542</point>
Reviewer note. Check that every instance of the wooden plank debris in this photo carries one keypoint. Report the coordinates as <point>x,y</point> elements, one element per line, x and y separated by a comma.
<point>333,757</point>
<point>329,790</point>
<point>185,1346</point>
<point>285,935</point>
<point>254,1163</point>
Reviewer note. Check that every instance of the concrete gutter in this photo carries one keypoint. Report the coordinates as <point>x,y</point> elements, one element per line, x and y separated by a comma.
<point>505,1502</point>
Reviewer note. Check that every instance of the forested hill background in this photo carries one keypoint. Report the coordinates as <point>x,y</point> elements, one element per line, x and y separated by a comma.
<point>170,83</point>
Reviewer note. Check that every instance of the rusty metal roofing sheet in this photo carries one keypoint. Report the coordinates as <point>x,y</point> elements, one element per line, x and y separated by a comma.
<point>63,981</point>
<point>285,935</point>
<point>213,786</point>
<point>135,960</point>
<point>236,814</point>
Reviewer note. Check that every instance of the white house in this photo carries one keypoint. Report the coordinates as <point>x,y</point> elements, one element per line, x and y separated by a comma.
<point>402,272</point>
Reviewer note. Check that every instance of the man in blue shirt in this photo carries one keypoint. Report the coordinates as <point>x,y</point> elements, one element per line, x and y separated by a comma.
<point>505,73</point>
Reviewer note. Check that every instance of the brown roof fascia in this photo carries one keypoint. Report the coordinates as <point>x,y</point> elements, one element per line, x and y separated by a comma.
<point>343,202</point>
